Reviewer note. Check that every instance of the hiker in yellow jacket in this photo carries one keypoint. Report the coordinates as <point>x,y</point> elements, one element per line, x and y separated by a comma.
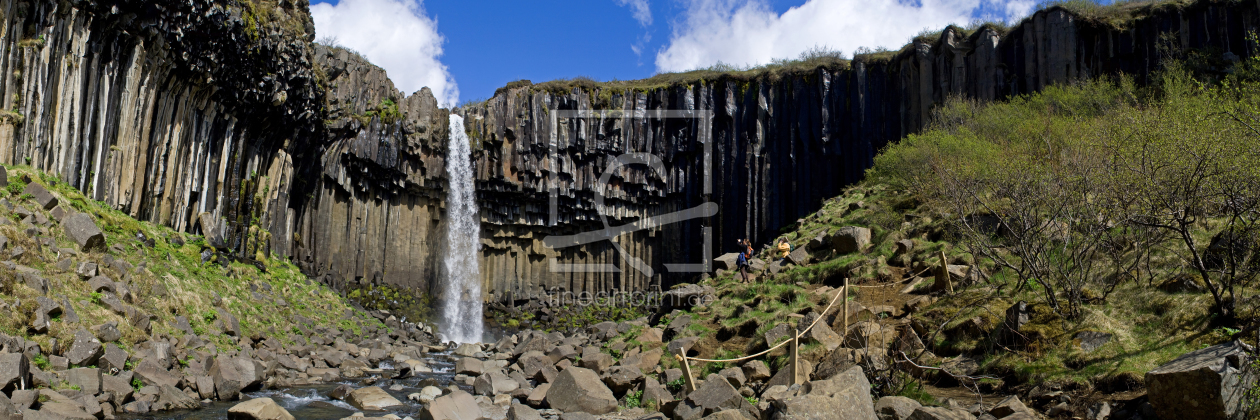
<point>784,248</point>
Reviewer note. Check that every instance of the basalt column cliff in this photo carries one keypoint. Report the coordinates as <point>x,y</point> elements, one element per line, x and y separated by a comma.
<point>223,117</point>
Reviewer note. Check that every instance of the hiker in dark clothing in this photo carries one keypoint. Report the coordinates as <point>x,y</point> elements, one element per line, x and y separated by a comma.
<point>742,261</point>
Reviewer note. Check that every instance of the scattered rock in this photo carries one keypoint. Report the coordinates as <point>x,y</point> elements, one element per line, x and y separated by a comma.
<point>231,326</point>
<point>14,372</point>
<point>579,389</point>
<point>850,239</point>
<point>372,398</point>
<point>1091,340</point>
<point>41,196</point>
<point>522,412</point>
<point>716,394</point>
<point>940,413</point>
<point>83,230</point>
<point>895,408</point>
<point>458,405</point>
<point>259,409</point>
<point>86,349</point>
<point>493,383</point>
<point>843,396</point>
<point>1215,378</point>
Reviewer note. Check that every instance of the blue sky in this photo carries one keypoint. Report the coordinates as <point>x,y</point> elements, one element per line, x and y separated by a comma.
<point>464,50</point>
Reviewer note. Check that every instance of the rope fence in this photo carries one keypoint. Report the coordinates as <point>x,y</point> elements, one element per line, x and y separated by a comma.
<point>942,279</point>
<point>794,341</point>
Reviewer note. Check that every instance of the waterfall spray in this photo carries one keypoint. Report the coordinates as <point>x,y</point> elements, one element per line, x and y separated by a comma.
<point>461,312</point>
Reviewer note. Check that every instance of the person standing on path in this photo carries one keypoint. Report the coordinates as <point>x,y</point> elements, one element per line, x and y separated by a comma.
<point>742,262</point>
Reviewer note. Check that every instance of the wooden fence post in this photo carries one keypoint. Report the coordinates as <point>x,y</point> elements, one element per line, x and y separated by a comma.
<point>845,332</point>
<point>942,275</point>
<point>796,373</point>
<point>686,368</point>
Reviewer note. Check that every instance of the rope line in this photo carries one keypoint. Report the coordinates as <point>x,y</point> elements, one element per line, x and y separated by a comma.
<point>798,336</point>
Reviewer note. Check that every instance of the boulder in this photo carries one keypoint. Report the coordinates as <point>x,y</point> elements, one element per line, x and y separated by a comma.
<point>87,379</point>
<point>47,310</point>
<point>654,394</point>
<point>579,389</point>
<point>340,392</point>
<point>940,413</point>
<point>172,398</point>
<point>373,398</point>
<point>459,405</point>
<point>649,359</point>
<point>231,326</point>
<point>726,261</point>
<point>494,383</point>
<point>259,409</point>
<point>535,342</point>
<point>776,334</point>
<point>538,396</point>
<point>231,375</point>
<point>57,406</point>
<point>681,345</point>
<point>821,333</point>
<point>119,386</point>
<point>895,408</point>
<point>850,239</point>
<point>677,326</point>
<point>469,366</point>
<point>623,378</point>
<point>1010,406</point>
<point>150,373</point>
<point>597,361</point>
<point>107,332</point>
<point>15,372</point>
<point>210,228</point>
<point>799,256</point>
<point>1210,383</point>
<point>83,230</point>
<point>86,270</point>
<point>86,349</point>
<point>1016,317</point>
<point>519,411</point>
<point>735,376</point>
<point>1089,341</point>
<point>467,350</point>
<point>41,196</point>
<point>715,395</point>
<point>8,411</point>
<point>756,370</point>
<point>903,247</point>
<point>426,395</point>
<point>846,395</point>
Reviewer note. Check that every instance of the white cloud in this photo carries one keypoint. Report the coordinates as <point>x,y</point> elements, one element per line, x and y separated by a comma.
<point>640,9</point>
<point>748,32</point>
<point>1016,10</point>
<point>393,34</point>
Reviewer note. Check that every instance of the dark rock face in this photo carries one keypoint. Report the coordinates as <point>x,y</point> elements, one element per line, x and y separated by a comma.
<point>189,115</point>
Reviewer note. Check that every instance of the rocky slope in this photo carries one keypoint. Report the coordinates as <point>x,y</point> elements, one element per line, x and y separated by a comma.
<point>225,109</point>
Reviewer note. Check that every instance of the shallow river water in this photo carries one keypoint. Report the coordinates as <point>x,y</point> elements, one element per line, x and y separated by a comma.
<point>311,402</point>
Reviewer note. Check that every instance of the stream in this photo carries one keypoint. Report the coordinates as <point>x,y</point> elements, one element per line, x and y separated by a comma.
<point>311,401</point>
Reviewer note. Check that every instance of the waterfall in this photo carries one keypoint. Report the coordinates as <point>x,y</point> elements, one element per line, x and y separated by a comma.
<point>461,311</point>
